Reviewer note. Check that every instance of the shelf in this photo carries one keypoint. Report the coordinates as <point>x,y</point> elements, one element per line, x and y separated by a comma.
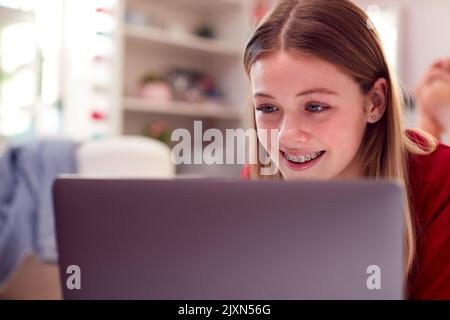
<point>199,109</point>
<point>183,41</point>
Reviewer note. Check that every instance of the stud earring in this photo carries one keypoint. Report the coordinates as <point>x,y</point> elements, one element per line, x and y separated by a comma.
<point>373,117</point>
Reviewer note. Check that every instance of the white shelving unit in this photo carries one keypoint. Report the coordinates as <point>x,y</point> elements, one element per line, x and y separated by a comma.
<point>119,42</point>
<point>197,44</point>
<point>183,109</point>
<point>164,40</point>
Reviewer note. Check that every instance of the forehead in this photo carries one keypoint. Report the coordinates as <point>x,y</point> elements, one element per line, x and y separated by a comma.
<point>282,71</point>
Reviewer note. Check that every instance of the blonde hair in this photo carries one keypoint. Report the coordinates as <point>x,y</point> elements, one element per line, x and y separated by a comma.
<point>328,29</point>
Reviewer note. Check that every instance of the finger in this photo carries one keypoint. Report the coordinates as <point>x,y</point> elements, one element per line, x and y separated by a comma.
<point>438,64</point>
<point>427,78</point>
<point>448,65</point>
<point>442,115</point>
<point>443,64</point>
<point>436,74</point>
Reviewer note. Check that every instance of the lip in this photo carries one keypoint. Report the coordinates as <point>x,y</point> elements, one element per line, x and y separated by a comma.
<point>300,166</point>
<point>298,152</point>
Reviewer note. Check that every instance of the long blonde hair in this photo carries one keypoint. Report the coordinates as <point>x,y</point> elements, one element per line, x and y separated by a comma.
<point>339,32</point>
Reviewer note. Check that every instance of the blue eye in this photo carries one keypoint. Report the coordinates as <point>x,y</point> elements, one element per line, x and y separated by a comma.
<point>267,108</point>
<point>315,108</point>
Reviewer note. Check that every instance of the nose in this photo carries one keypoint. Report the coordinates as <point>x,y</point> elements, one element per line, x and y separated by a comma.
<point>293,132</point>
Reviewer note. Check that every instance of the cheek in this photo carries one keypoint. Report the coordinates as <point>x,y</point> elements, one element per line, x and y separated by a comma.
<point>265,127</point>
<point>344,135</point>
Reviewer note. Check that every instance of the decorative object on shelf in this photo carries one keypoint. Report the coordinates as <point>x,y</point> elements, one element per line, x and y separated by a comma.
<point>100,81</point>
<point>209,89</point>
<point>205,31</point>
<point>159,130</point>
<point>104,34</point>
<point>192,86</point>
<point>136,18</point>
<point>155,87</point>
<point>99,123</point>
<point>104,10</point>
<point>97,115</point>
<point>99,58</point>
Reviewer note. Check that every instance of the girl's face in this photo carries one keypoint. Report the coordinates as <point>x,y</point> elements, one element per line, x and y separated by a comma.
<point>318,110</point>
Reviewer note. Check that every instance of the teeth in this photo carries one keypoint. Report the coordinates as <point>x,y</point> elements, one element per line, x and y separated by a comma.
<point>302,159</point>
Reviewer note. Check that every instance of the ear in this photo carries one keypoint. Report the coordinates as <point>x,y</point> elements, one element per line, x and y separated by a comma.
<point>376,101</point>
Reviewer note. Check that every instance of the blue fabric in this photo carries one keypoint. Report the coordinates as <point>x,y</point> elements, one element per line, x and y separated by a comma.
<point>27,173</point>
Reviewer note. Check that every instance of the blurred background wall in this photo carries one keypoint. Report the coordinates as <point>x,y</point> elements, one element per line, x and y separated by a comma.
<point>92,69</point>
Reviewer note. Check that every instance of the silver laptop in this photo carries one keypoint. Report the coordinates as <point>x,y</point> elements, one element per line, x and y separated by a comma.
<point>229,239</point>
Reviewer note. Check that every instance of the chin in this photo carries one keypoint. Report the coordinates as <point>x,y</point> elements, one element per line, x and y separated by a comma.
<point>288,175</point>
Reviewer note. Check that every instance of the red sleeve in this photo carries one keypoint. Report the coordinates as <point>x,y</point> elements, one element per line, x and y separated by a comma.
<point>432,280</point>
<point>430,183</point>
<point>245,172</point>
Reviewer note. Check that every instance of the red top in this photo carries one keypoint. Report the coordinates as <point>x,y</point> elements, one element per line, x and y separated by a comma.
<point>430,191</point>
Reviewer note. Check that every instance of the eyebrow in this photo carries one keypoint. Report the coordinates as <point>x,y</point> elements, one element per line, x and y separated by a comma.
<point>303,93</point>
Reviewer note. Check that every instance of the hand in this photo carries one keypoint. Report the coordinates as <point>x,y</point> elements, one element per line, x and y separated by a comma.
<point>433,99</point>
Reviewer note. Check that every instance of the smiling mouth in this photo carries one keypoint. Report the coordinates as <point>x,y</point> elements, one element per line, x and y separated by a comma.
<point>302,159</point>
